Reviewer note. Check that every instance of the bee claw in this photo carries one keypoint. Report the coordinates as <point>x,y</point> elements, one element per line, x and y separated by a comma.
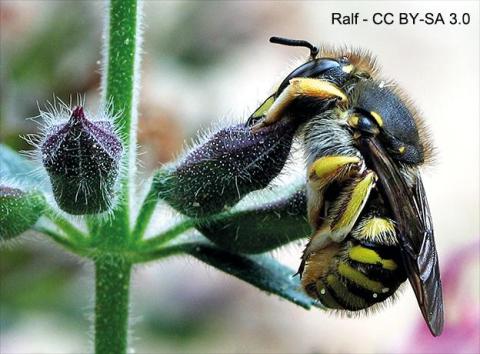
<point>255,128</point>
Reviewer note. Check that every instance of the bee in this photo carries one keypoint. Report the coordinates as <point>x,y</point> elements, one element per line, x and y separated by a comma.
<point>364,145</point>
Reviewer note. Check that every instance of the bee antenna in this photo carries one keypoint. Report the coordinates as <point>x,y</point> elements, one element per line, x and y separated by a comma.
<point>296,43</point>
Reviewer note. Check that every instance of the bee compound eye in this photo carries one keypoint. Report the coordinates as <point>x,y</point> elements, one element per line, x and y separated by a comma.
<point>363,124</point>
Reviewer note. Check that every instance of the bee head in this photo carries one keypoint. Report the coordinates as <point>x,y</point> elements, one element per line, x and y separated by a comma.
<point>380,110</point>
<point>335,70</point>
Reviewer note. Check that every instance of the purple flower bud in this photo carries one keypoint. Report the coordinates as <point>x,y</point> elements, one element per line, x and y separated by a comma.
<point>221,171</point>
<point>82,158</point>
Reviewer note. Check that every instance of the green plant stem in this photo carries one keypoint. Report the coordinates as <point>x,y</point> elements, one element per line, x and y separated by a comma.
<point>155,254</point>
<point>120,75</point>
<point>145,214</point>
<point>119,91</point>
<point>65,242</point>
<point>112,271</point>
<point>92,224</point>
<point>112,283</point>
<point>153,243</point>
<point>66,226</point>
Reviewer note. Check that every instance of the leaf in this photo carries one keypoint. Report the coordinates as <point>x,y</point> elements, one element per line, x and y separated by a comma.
<point>262,271</point>
<point>20,207</point>
<point>260,228</point>
<point>16,168</point>
<point>18,211</point>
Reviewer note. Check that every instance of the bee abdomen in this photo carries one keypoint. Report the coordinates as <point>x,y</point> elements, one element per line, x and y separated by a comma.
<point>369,274</point>
<point>334,293</point>
<point>361,274</point>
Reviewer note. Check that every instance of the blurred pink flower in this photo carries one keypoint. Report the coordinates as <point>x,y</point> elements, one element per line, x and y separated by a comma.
<point>462,308</point>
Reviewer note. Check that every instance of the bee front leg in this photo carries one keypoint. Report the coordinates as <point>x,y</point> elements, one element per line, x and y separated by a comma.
<point>298,87</point>
<point>326,169</point>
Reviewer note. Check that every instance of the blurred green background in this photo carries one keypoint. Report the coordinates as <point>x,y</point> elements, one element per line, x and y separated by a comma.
<point>207,61</point>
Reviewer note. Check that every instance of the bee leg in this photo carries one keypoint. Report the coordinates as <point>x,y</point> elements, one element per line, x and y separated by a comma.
<point>321,173</point>
<point>343,214</point>
<point>326,169</point>
<point>346,209</point>
<point>298,87</point>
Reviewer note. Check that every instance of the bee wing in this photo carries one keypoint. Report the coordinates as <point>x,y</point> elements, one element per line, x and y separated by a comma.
<point>415,232</point>
<point>428,288</point>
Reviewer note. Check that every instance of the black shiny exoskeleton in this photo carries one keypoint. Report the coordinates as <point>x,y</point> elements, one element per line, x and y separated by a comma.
<point>398,129</point>
<point>322,68</point>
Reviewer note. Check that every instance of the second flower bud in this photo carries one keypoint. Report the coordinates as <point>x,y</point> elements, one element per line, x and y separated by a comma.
<point>82,158</point>
<point>221,171</point>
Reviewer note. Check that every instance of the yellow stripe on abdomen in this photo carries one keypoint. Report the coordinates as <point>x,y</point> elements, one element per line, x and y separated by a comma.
<point>341,291</point>
<point>325,297</point>
<point>359,278</point>
<point>366,255</point>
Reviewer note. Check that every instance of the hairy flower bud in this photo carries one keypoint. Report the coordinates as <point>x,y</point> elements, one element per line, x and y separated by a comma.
<point>230,164</point>
<point>19,210</point>
<point>82,158</point>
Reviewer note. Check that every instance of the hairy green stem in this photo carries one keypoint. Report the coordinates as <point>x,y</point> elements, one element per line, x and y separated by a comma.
<point>120,70</point>
<point>113,270</point>
<point>112,283</point>
<point>151,255</point>
<point>65,242</point>
<point>145,214</point>
<point>170,234</point>
<point>120,78</point>
<point>66,226</point>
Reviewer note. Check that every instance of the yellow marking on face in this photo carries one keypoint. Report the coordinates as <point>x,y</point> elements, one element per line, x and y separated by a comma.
<point>342,292</point>
<point>366,255</point>
<point>358,198</point>
<point>328,165</point>
<point>353,121</point>
<point>359,278</point>
<point>377,117</point>
<point>264,107</point>
<point>304,86</point>
<point>348,68</point>
<point>401,149</point>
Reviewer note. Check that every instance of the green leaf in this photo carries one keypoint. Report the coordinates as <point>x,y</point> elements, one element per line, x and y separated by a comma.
<point>262,271</point>
<point>20,207</point>
<point>15,167</point>
<point>259,228</point>
<point>18,211</point>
